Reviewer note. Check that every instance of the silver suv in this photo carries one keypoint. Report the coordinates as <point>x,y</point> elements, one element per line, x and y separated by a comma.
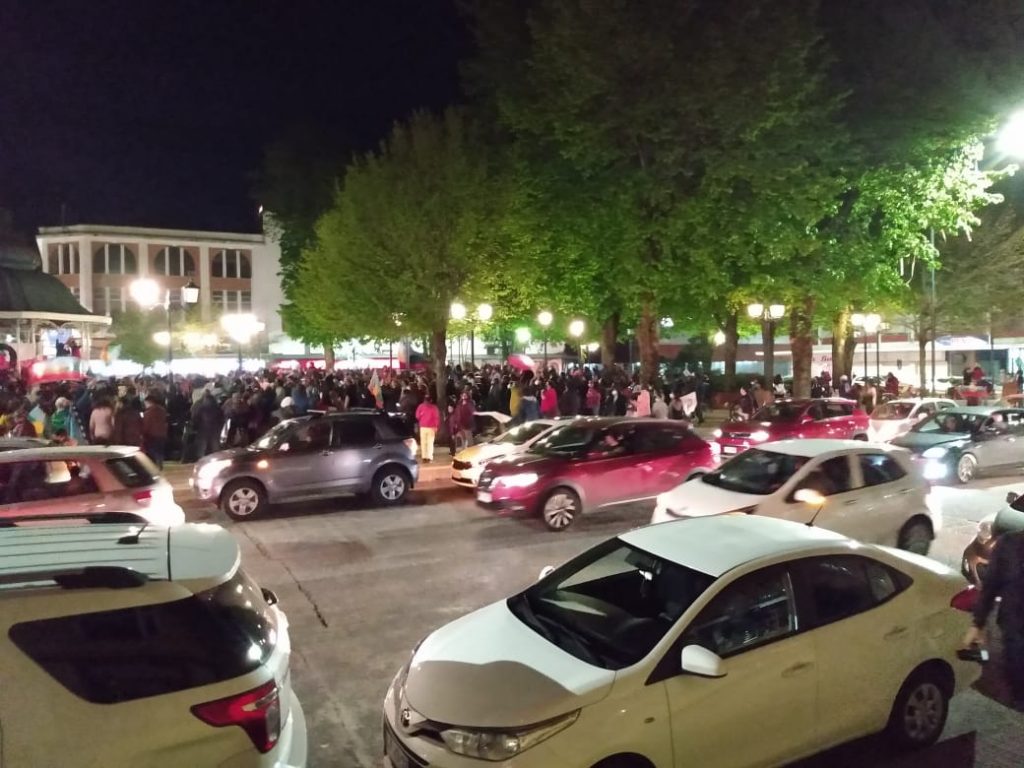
<point>312,457</point>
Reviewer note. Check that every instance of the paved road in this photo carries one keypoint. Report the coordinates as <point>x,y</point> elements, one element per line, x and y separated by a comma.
<point>362,586</point>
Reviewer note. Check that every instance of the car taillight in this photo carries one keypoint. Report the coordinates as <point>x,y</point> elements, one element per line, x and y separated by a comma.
<point>257,712</point>
<point>965,600</point>
<point>142,498</point>
<point>410,443</point>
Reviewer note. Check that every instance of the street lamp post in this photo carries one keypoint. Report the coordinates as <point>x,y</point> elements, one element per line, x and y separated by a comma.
<point>769,315</point>
<point>146,293</point>
<point>576,330</point>
<point>241,328</point>
<point>870,324</point>
<point>523,337</point>
<point>545,319</point>
<point>484,312</point>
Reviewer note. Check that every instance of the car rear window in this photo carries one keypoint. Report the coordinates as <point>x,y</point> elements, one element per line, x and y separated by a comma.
<point>108,657</point>
<point>133,471</point>
<point>395,428</point>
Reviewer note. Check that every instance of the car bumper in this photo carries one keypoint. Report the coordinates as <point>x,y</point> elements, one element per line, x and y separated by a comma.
<point>206,490</point>
<point>728,446</point>
<point>502,500</point>
<point>467,478</point>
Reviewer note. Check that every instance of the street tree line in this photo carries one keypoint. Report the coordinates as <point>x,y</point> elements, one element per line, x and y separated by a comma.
<point>624,161</point>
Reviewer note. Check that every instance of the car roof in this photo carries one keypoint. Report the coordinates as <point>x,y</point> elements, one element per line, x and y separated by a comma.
<point>716,544</point>
<point>980,410</point>
<point>56,453</point>
<point>810,447</point>
<point>809,400</point>
<point>916,400</point>
<point>183,552</point>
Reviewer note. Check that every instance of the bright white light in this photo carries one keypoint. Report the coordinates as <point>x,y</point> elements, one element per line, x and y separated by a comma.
<point>523,335</point>
<point>163,338</point>
<point>1011,137</point>
<point>760,436</point>
<point>190,293</point>
<point>485,312</point>
<point>192,339</point>
<point>755,310</point>
<point>241,327</point>
<point>145,292</point>
<point>719,338</point>
<point>576,328</point>
<point>857,319</point>
<point>776,311</point>
<point>667,322</point>
<point>458,311</point>
<point>545,318</point>
<point>593,346</point>
<point>210,340</point>
<point>872,322</point>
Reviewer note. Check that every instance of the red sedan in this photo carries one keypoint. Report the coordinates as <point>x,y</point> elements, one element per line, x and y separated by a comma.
<point>786,419</point>
<point>594,463</point>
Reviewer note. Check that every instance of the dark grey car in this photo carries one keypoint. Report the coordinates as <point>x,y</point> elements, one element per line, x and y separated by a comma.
<point>312,457</point>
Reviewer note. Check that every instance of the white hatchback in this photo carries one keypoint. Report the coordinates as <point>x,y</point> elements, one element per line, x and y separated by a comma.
<point>896,417</point>
<point>468,463</point>
<point>659,646</point>
<point>871,492</point>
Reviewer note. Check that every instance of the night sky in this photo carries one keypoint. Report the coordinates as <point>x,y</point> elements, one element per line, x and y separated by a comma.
<point>156,113</point>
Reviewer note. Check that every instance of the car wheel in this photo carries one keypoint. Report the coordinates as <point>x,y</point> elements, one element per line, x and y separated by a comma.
<point>390,485</point>
<point>916,536</point>
<point>560,509</point>
<point>920,710</point>
<point>861,437</point>
<point>966,468</point>
<point>243,500</point>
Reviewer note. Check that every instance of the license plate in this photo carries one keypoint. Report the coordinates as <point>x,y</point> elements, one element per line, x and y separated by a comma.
<point>483,497</point>
<point>393,752</point>
<point>729,449</point>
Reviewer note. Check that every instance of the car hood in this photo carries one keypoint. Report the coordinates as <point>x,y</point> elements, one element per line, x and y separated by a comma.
<point>884,429</point>
<point>476,454</point>
<point>489,670</point>
<point>515,462</point>
<point>918,442</point>
<point>772,427</point>
<point>699,499</point>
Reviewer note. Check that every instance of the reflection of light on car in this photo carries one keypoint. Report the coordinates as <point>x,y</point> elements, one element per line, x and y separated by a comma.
<point>935,470</point>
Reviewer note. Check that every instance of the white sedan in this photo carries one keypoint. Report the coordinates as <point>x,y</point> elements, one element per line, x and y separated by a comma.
<point>659,646</point>
<point>871,492</point>
<point>468,463</point>
<point>896,417</point>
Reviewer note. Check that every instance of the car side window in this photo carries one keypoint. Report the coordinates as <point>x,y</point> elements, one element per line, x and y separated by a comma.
<point>816,411</point>
<point>830,477</point>
<point>841,586</point>
<point>835,410</point>
<point>878,468</point>
<point>314,436</point>
<point>46,480</point>
<point>755,609</point>
<point>353,433</point>
<point>615,441</point>
<point>652,438</point>
<point>926,410</point>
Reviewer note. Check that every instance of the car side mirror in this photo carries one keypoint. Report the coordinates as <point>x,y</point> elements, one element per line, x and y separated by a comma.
<point>809,496</point>
<point>269,595</point>
<point>1012,497</point>
<point>697,660</point>
<point>546,571</point>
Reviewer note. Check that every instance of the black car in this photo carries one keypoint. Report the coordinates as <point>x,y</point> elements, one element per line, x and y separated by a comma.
<point>962,442</point>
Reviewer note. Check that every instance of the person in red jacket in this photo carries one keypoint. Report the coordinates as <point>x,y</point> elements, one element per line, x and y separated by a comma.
<point>464,421</point>
<point>429,419</point>
<point>549,402</point>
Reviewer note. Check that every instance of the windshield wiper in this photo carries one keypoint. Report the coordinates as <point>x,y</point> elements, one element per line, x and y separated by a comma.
<point>525,611</point>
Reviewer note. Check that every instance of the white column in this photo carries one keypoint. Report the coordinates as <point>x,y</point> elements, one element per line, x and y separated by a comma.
<point>142,256</point>
<point>85,271</point>
<point>203,278</point>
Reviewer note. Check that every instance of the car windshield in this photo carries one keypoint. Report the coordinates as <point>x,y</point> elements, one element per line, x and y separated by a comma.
<point>522,434</point>
<point>611,605</point>
<point>779,412</point>
<point>951,423</point>
<point>274,435</point>
<point>755,471</point>
<point>892,411</point>
<point>565,441</point>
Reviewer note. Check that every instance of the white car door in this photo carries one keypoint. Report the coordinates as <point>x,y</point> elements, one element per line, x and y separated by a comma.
<point>762,712</point>
<point>891,496</point>
<point>858,613</point>
<point>835,478</point>
<point>49,488</point>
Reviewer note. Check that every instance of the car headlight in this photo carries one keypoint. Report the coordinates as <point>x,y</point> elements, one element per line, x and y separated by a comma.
<point>935,452</point>
<point>209,471</point>
<point>517,481</point>
<point>498,745</point>
<point>760,436</point>
<point>984,531</point>
<point>717,433</point>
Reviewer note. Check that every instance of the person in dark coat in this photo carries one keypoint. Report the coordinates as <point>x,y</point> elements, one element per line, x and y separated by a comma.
<point>207,421</point>
<point>154,430</point>
<point>127,423</point>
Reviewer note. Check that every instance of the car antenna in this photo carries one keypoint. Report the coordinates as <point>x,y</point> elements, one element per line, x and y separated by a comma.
<point>133,538</point>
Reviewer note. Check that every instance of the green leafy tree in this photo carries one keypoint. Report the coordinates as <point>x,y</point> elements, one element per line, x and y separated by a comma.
<point>133,331</point>
<point>408,235</point>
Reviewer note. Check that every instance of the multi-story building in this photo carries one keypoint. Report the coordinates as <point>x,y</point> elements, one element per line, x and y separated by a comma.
<point>235,272</point>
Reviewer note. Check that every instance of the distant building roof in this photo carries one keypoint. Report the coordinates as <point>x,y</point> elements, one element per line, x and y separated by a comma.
<point>28,292</point>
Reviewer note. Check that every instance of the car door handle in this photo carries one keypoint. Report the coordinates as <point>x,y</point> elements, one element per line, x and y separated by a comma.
<point>797,669</point>
<point>850,502</point>
<point>895,632</point>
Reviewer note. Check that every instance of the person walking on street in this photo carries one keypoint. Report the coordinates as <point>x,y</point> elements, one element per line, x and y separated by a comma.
<point>207,421</point>
<point>1005,579</point>
<point>429,419</point>
<point>154,430</point>
<point>101,422</point>
<point>464,413</point>
<point>549,401</point>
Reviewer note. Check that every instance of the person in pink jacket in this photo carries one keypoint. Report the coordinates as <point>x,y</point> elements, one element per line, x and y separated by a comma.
<point>549,402</point>
<point>643,403</point>
<point>429,419</point>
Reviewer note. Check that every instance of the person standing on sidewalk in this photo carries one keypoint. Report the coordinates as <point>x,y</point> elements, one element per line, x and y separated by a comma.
<point>464,420</point>
<point>154,430</point>
<point>1005,579</point>
<point>429,419</point>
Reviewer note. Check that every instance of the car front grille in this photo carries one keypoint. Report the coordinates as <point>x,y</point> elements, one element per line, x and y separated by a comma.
<point>486,480</point>
<point>390,737</point>
<point>736,435</point>
<point>457,464</point>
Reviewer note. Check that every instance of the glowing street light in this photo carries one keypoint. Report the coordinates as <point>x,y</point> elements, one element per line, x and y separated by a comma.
<point>545,319</point>
<point>523,335</point>
<point>576,328</point>
<point>458,311</point>
<point>147,293</point>
<point>719,338</point>
<point>241,327</point>
<point>870,323</point>
<point>1011,137</point>
<point>163,338</point>
<point>768,315</point>
<point>485,312</point>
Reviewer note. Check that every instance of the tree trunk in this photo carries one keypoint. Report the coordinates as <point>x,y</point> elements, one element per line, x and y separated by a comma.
<point>647,341</point>
<point>801,342</point>
<point>840,331</point>
<point>439,356</point>
<point>849,348</point>
<point>609,340</point>
<point>768,347</point>
<point>922,357</point>
<point>329,356</point>
<point>730,348</point>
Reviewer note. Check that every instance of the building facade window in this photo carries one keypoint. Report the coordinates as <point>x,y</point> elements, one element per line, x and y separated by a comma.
<point>231,301</point>
<point>175,261</point>
<point>231,263</point>
<point>108,300</point>
<point>114,259</point>
<point>62,259</point>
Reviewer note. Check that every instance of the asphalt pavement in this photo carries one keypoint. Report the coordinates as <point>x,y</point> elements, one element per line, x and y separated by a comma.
<point>362,586</point>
